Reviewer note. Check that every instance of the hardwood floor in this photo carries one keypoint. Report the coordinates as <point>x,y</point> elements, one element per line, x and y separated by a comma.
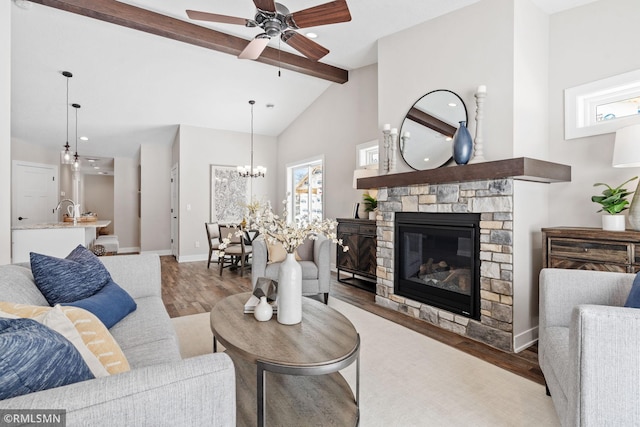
<point>191,288</point>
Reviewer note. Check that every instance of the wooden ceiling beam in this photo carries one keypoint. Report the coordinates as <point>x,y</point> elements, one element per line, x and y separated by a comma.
<point>155,23</point>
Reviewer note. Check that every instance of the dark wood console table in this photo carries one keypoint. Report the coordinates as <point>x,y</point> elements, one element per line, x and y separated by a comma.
<point>585,248</point>
<point>360,259</point>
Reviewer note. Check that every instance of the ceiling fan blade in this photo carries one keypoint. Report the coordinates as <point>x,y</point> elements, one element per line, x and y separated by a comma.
<point>328,13</point>
<point>266,5</point>
<point>255,47</point>
<point>214,17</point>
<point>304,45</point>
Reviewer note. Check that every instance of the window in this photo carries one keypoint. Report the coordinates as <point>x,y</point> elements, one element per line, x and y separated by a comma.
<point>603,106</point>
<point>304,185</point>
<point>367,155</point>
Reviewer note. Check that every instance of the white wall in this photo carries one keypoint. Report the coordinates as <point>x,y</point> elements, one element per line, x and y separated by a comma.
<point>458,51</point>
<point>98,198</point>
<point>530,81</point>
<point>155,202</point>
<point>199,148</point>
<point>125,204</point>
<point>5,132</point>
<point>588,43</point>
<point>341,118</point>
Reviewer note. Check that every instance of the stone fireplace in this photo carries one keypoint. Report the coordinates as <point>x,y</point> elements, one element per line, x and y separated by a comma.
<point>510,204</point>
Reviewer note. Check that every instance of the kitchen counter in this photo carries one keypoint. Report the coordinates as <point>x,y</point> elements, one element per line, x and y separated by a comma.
<point>56,239</point>
<point>48,225</point>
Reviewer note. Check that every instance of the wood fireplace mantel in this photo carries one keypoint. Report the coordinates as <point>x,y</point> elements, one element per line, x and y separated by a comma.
<point>520,168</point>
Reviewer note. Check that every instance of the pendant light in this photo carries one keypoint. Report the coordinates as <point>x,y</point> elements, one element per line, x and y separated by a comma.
<point>249,171</point>
<point>76,161</point>
<point>67,154</point>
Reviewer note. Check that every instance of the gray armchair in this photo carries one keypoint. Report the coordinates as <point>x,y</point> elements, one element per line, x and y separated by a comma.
<point>589,347</point>
<point>315,263</point>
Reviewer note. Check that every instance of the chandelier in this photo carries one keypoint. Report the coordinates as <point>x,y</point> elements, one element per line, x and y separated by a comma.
<point>249,171</point>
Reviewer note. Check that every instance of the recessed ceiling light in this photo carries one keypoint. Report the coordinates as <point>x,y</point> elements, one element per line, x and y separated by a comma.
<point>84,138</point>
<point>312,35</point>
<point>448,138</point>
<point>92,160</point>
<point>452,104</point>
<point>426,159</point>
<point>96,167</point>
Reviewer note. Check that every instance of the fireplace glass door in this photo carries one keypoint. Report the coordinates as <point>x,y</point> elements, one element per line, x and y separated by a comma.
<point>436,258</point>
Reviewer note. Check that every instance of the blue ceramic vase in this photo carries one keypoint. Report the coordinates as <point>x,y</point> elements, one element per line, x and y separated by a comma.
<point>462,145</point>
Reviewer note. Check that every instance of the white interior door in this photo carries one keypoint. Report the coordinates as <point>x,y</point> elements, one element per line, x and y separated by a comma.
<point>34,189</point>
<point>174,211</point>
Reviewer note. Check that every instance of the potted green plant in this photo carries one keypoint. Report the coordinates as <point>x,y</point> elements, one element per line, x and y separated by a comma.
<point>613,202</point>
<point>370,205</point>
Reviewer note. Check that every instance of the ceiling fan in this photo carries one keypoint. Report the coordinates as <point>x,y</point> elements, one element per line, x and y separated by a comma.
<point>276,20</point>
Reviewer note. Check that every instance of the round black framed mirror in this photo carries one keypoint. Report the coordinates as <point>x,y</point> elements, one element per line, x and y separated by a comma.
<point>427,130</point>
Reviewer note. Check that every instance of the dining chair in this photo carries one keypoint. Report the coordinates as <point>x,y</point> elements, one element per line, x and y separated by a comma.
<point>213,237</point>
<point>236,252</point>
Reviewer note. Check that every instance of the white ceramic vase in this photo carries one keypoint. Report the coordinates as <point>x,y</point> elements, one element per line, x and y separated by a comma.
<point>372,215</point>
<point>613,222</point>
<point>263,310</point>
<point>290,291</point>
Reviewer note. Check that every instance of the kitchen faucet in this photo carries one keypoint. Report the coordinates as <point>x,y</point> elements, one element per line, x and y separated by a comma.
<point>74,204</point>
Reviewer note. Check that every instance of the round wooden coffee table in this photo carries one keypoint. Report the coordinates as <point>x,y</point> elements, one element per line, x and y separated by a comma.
<point>288,374</point>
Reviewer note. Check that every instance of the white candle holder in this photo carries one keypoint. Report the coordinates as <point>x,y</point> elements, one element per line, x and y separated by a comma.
<point>393,146</point>
<point>478,155</point>
<point>386,142</point>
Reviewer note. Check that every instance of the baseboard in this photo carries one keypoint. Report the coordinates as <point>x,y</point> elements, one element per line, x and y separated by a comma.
<point>193,258</point>
<point>525,339</point>
<point>132,250</point>
<point>161,253</point>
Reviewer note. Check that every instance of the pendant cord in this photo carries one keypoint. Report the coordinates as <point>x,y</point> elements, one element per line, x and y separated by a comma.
<point>67,105</point>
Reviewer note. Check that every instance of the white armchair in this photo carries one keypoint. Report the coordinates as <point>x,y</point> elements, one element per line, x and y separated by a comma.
<point>589,347</point>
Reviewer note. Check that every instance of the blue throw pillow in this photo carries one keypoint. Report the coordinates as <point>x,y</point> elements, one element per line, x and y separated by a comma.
<point>34,357</point>
<point>79,275</point>
<point>110,304</point>
<point>633,300</point>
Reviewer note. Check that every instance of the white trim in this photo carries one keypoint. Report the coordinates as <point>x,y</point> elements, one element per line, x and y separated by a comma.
<point>160,253</point>
<point>525,339</point>
<point>193,258</point>
<point>580,102</point>
<point>132,250</point>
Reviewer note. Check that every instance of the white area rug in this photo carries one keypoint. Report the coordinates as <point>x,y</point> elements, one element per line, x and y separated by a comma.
<point>407,379</point>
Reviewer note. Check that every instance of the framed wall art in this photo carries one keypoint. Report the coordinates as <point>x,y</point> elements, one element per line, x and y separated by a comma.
<point>229,194</point>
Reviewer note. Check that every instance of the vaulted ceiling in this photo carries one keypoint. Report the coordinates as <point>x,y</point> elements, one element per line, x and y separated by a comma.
<point>137,87</point>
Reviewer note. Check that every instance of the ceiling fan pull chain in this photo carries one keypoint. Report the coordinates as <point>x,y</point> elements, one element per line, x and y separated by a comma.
<point>279,53</point>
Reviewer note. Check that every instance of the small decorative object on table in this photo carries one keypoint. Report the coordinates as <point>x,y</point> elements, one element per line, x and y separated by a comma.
<point>276,229</point>
<point>263,311</point>
<point>613,201</point>
<point>462,145</point>
<point>266,288</point>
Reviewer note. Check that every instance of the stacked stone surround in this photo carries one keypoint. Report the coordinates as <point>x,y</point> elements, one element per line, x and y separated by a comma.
<point>493,199</point>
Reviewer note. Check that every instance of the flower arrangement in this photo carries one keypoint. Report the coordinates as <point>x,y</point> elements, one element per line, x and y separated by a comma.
<point>276,228</point>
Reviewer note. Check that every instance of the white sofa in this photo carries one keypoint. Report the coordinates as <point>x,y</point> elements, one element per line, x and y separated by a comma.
<point>589,347</point>
<point>161,389</point>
